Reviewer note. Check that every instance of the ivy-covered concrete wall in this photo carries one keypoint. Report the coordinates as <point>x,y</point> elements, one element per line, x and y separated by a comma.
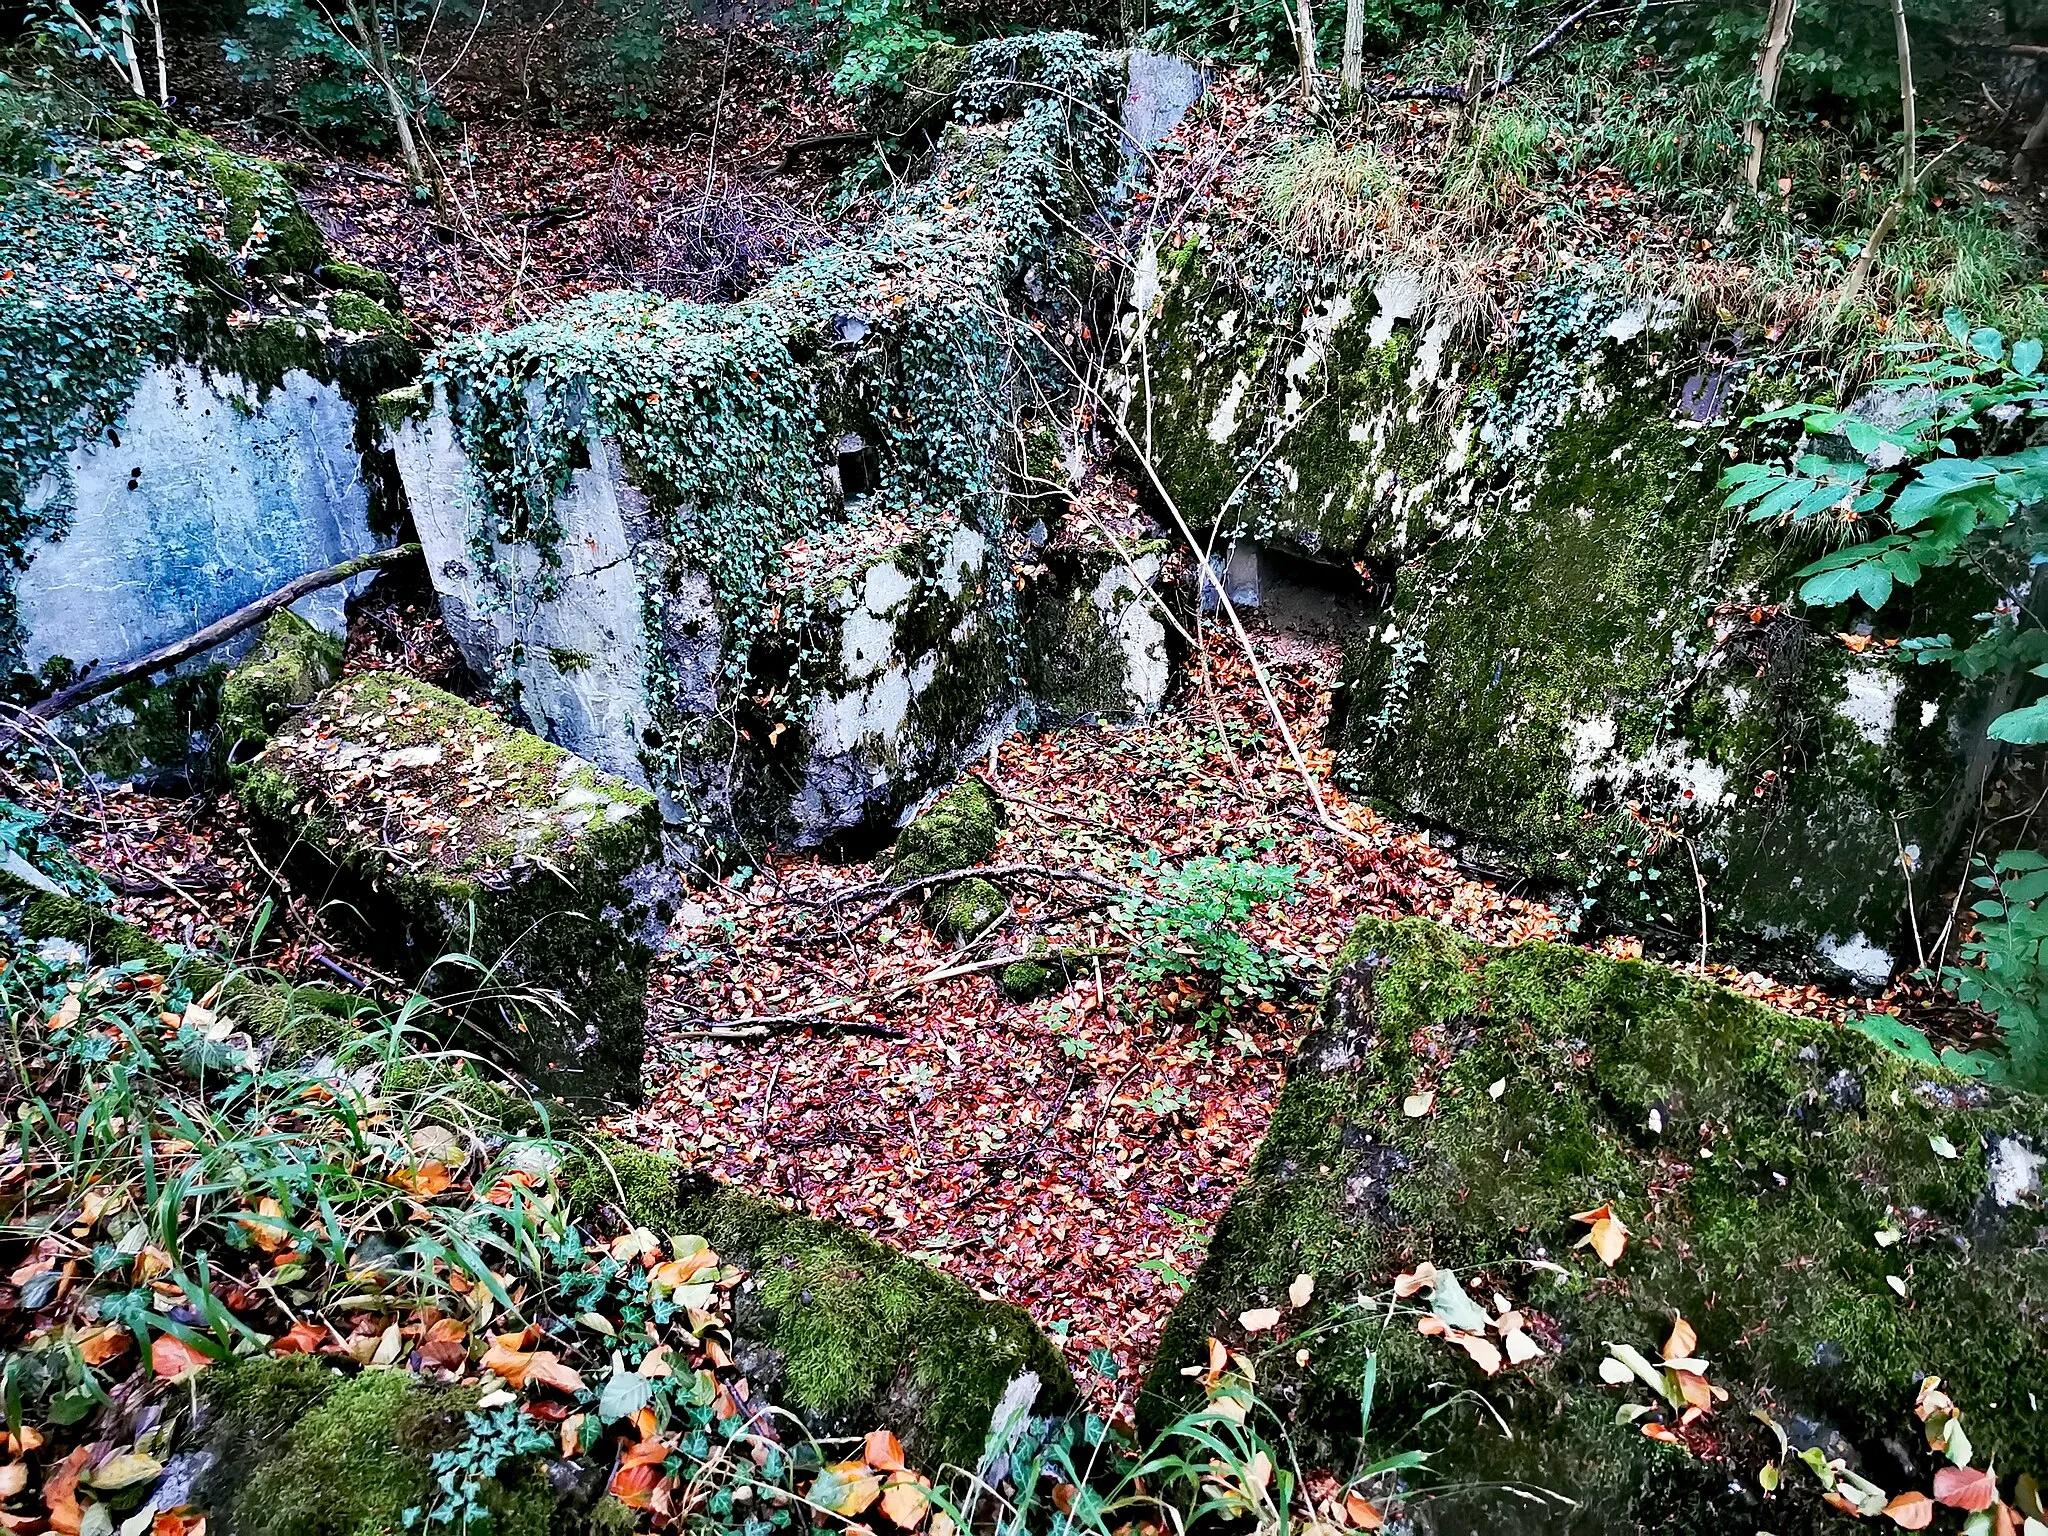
<point>760,556</point>
<point>164,465</point>
<point>1585,663</point>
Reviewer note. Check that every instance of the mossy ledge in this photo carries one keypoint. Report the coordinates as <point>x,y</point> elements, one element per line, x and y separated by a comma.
<point>850,1333</point>
<point>1754,1156</point>
<point>486,861</point>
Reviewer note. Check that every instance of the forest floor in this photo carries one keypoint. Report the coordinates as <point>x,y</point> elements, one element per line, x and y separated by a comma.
<point>1070,1154</point>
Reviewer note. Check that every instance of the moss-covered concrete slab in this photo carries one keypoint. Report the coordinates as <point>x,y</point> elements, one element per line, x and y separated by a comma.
<point>434,830</point>
<point>1584,664</point>
<point>839,1328</point>
<point>1834,1221</point>
<point>290,666</point>
<point>765,557</point>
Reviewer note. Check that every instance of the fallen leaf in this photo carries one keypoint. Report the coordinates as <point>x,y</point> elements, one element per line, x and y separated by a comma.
<point>1258,1319</point>
<point>1521,1348</point>
<point>1970,1488</point>
<point>1363,1513</point>
<point>1416,1105</point>
<point>302,1338</point>
<point>846,1488</point>
<point>123,1471</point>
<point>1943,1147</point>
<point>883,1451</point>
<point>1608,1237</point>
<point>1303,1288</point>
<point>171,1357</point>
<point>1911,1510</point>
<point>13,1478</point>
<point>1683,1340</point>
<point>904,1501</point>
<point>1422,1279</point>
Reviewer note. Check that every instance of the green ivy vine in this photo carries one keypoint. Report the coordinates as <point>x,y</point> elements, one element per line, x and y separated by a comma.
<point>728,416</point>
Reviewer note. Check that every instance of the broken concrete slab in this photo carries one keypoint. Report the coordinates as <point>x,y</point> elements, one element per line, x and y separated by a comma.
<point>523,883</point>
<point>760,557</point>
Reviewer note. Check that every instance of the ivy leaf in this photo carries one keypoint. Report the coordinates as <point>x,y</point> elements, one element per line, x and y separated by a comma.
<point>2026,357</point>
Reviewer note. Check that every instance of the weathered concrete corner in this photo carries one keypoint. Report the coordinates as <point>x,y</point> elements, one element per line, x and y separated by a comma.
<point>436,831</point>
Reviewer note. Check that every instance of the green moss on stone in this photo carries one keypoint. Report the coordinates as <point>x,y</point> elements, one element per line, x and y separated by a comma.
<point>355,312</point>
<point>347,1457</point>
<point>859,1336</point>
<point>291,663</point>
<point>956,831</point>
<point>1025,980</point>
<point>965,908</point>
<point>352,277</point>
<point>1753,1155</point>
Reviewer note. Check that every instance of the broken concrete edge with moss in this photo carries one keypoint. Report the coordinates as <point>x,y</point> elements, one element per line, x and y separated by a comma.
<point>1582,646</point>
<point>540,895</point>
<point>832,1325</point>
<point>289,667</point>
<point>811,459</point>
<point>829,1324</point>
<point>1775,1172</point>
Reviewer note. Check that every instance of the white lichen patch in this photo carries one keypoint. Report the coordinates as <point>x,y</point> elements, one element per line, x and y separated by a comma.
<point>1859,957</point>
<point>1223,425</point>
<point>1871,702</point>
<point>1397,296</point>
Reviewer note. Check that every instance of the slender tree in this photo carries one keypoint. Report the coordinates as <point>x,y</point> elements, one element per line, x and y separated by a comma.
<point>1770,64</point>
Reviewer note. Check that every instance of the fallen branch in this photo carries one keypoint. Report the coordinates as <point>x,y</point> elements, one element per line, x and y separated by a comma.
<point>164,657</point>
<point>886,895</point>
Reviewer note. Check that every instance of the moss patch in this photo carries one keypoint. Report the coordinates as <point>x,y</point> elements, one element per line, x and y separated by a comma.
<point>1753,1155</point>
<point>291,663</point>
<point>855,1335</point>
<point>435,830</point>
<point>352,277</point>
<point>304,1452</point>
<point>956,831</point>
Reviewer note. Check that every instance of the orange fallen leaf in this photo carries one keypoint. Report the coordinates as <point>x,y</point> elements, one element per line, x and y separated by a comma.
<point>638,1473</point>
<point>300,1339</point>
<point>60,1493</point>
<point>547,1369</point>
<point>1970,1488</point>
<point>1911,1510</point>
<point>1694,1389</point>
<point>13,1478</point>
<point>101,1345</point>
<point>904,1501</point>
<point>1423,1278</point>
<point>171,1357</point>
<point>1608,1237</point>
<point>1683,1341</point>
<point>1663,1432</point>
<point>883,1451</point>
<point>846,1488</point>
<point>1363,1513</point>
<point>267,1235</point>
<point>426,1180</point>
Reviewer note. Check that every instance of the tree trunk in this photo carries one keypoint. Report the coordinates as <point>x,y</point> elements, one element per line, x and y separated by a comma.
<point>127,24</point>
<point>1305,42</point>
<point>154,10</point>
<point>1769,65</point>
<point>1909,177</point>
<point>1354,52</point>
<point>369,25</point>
